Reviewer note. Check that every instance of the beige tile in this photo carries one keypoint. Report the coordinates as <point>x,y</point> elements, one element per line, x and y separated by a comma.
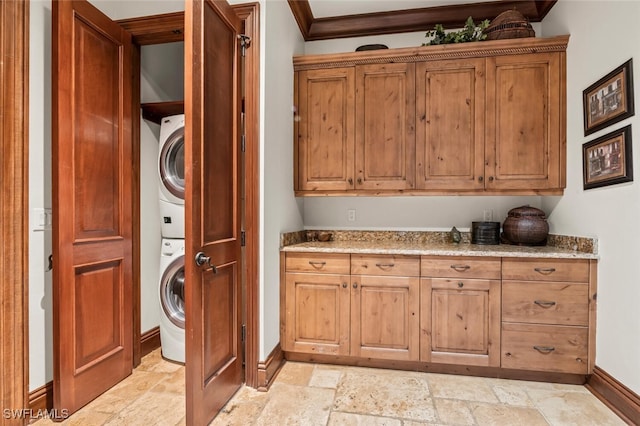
<point>349,419</point>
<point>461,387</point>
<point>573,408</point>
<point>243,409</point>
<point>152,408</point>
<point>325,378</point>
<point>154,362</point>
<point>295,373</point>
<point>511,394</point>
<point>453,411</point>
<point>296,405</point>
<point>383,393</point>
<point>173,383</point>
<point>87,418</point>
<point>500,415</point>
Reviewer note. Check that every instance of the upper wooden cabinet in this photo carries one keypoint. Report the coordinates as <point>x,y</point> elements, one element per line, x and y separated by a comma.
<point>475,118</point>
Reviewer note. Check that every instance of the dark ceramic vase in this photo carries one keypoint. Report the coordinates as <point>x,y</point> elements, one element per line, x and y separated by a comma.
<point>526,226</point>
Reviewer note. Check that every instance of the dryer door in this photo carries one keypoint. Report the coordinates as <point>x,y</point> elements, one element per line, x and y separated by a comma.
<point>172,292</point>
<point>172,165</point>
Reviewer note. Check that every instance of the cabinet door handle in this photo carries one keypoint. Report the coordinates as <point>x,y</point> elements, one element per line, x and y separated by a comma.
<point>460,268</point>
<point>355,285</point>
<point>490,178</point>
<point>460,284</point>
<point>544,303</point>
<point>544,349</point>
<point>545,271</point>
<point>480,178</point>
<point>359,181</point>
<point>344,285</point>
<point>350,180</point>
<point>316,264</point>
<point>385,265</point>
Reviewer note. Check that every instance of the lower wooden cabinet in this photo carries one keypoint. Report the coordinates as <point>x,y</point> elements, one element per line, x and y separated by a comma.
<point>513,313</point>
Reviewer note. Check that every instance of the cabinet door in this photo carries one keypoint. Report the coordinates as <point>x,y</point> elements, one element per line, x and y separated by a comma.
<point>317,314</point>
<point>385,121</point>
<point>450,124</point>
<point>325,129</point>
<point>460,321</point>
<point>525,132</point>
<point>385,317</point>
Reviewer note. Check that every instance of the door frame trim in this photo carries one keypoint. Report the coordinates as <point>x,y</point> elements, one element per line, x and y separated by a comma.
<point>14,203</point>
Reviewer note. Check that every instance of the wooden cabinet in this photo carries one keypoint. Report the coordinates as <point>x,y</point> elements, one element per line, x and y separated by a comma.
<point>385,135</point>
<point>450,107</point>
<point>548,315</point>
<point>523,315</point>
<point>317,304</point>
<point>325,128</point>
<point>460,311</point>
<point>491,120</point>
<point>385,307</point>
<point>525,126</point>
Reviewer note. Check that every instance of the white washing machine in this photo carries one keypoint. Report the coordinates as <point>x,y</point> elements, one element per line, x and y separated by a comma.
<point>172,299</point>
<point>171,176</point>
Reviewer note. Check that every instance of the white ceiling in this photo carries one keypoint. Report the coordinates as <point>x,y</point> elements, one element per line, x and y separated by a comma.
<point>326,8</point>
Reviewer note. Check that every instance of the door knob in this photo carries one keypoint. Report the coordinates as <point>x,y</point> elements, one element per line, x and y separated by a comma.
<point>202,259</point>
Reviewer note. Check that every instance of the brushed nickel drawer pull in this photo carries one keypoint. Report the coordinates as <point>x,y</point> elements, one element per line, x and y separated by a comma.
<point>385,265</point>
<point>317,265</point>
<point>544,303</point>
<point>460,268</point>
<point>544,349</point>
<point>545,271</point>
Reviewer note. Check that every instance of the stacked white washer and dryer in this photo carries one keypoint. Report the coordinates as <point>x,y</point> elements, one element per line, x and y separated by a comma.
<point>171,199</point>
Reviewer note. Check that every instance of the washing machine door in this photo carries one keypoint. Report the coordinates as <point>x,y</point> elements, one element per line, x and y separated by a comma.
<point>172,292</point>
<point>172,164</point>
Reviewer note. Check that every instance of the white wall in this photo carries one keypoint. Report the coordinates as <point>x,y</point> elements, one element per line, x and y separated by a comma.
<point>604,34</point>
<point>40,281</point>
<point>279,210</point>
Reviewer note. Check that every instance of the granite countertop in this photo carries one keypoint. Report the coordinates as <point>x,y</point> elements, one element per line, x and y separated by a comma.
<point>437,249</point>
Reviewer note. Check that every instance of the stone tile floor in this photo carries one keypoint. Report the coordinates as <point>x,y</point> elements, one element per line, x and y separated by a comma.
<point>314,394</point>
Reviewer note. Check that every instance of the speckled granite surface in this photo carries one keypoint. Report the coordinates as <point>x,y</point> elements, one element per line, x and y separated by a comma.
<point>433,243</point>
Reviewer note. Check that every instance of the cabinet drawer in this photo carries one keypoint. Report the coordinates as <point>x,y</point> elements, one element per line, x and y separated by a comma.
<point>460,267</point>
<point>406,266</point>
<point>328,263</point>
<point>545,270</point>
<point>545,348</point>
<point>545,303</point>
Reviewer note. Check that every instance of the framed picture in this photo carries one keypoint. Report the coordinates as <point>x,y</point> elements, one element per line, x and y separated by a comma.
<point>607,160</point>
<point>609,99</point>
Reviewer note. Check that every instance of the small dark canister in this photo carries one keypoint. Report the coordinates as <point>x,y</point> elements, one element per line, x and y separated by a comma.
<point>485,232</point>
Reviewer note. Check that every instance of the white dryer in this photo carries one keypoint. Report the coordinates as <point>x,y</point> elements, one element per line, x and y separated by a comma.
<point>172,299</point>
<point>171,176</point>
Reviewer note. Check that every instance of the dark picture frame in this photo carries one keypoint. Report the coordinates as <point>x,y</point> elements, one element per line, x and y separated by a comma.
<point>607,160</point>
<point>609,100</point>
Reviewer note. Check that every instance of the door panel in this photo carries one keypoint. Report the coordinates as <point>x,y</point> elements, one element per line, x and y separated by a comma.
<point>92,187</point>
<point>213,226</point>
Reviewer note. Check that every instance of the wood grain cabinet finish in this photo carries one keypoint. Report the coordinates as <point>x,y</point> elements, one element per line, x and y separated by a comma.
<point>548,315</point>
<point>485,118</point>
<point>325,129</point>
<point>317,304</point>
<point>450,108</point>
<point>460,311</point>
<point>385,307</point>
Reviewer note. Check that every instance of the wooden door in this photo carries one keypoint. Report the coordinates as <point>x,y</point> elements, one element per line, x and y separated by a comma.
<point>385,317</point>
<point>317,313</point>
<point>385,126</point>
<point>213,299</point>
<point>450,121</point>
<point>325,129</point>
<point>92,204</point>
<point>525,132</point>
<point>460,320</point>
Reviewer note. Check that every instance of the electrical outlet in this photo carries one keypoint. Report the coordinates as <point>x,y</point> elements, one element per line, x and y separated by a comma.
<point>487,215</point>
<point>351,215</point>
